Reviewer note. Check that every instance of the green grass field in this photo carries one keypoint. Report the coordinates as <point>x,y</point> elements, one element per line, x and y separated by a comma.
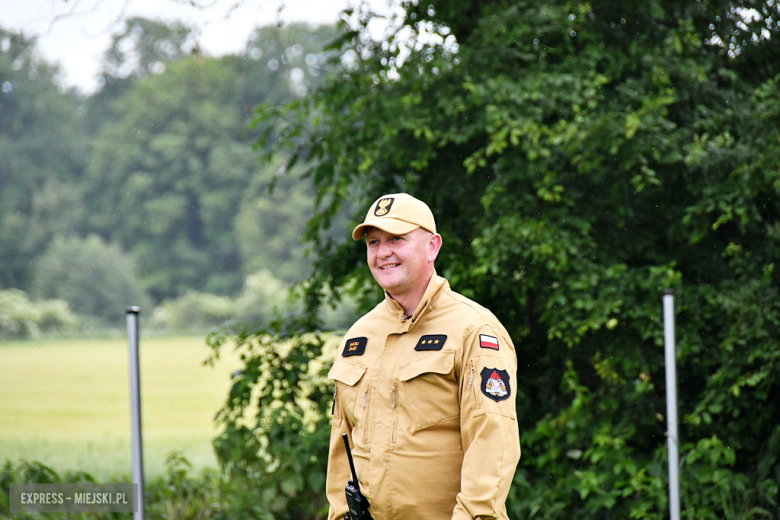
<point>66,402</point>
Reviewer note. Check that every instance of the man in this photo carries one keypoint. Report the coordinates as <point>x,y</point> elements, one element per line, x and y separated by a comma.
<point>425,385</point>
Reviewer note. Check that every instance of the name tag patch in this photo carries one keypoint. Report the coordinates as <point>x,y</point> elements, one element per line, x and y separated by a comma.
<point>495,384</point>
<point>431,342</point>
<point>355,347</point>
<point>486,341</point>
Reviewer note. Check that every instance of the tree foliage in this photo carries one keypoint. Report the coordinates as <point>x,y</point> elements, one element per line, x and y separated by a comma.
<point>95,278</point>
<point>175,166</point>
<point>174,178</point>
<point>139,49</point>
<point>158,162</point>
<point>273,443</point>
<point>42,157</point>
<point>580,158</point>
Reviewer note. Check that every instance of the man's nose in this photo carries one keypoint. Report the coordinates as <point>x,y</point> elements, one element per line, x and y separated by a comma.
<point>384,249</point>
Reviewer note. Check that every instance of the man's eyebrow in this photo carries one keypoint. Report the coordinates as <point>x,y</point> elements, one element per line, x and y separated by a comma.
<point>390,235</point>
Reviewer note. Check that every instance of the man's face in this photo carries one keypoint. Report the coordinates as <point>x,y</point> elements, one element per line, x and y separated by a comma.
<point>401,263</point>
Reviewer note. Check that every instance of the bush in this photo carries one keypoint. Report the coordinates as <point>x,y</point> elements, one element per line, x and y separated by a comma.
<point>276,422</point>
<point>95,278</point>
<point>22,318</point>
<point>178,494</point>
<point>262,296</point>
<point>193,311</point>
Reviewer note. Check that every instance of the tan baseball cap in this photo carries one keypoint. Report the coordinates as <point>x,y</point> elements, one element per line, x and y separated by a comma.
<point>398,214</point>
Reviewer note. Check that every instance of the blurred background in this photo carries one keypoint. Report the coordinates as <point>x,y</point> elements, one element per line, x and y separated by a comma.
<point>128,177</point>
<point>206,160</point>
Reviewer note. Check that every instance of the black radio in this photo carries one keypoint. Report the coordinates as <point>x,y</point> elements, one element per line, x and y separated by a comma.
<point>356,502</point>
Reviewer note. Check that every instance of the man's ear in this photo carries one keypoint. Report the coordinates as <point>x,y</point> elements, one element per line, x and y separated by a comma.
<point>434,246</point>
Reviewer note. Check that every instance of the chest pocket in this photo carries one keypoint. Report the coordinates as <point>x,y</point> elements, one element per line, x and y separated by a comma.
<point>349,376</point>
<point>430,390</point>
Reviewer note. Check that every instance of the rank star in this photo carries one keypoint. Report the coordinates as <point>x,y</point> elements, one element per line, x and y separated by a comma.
<point>431,342</point>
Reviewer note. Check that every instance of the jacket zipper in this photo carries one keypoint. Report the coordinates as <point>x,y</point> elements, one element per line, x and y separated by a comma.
<point>365,415</point>
<point>336,419</point>
<point>392,404</point>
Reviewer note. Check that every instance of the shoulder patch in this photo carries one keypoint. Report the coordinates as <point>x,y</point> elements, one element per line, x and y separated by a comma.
<point>486,341</point>
<point>495,384</point>
<point>355,347</point>
<point>431,342</point>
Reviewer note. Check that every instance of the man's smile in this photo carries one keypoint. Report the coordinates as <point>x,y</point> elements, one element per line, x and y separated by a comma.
<point>388,266</point>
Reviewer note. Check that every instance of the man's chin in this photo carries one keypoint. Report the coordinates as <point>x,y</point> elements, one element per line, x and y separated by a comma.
<point>387,284</point>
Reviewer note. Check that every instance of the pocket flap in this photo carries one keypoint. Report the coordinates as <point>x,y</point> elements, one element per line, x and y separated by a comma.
<point>346,373</point>
<point>439,364</point>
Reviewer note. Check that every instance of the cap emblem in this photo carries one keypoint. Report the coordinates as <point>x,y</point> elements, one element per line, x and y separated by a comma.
<point>383,206</point>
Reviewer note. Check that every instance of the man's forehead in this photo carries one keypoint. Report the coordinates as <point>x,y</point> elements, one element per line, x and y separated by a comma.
<point>377,233</point>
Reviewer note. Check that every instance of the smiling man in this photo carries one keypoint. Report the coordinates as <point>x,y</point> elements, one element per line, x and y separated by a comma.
<point>425,385</point>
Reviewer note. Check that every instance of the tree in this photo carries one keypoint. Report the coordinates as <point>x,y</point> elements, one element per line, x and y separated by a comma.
<point>580,158</point>
<point>269,226</point>
<point>96,279</point>
<point>168,176</point>
<point>174,178</point>
<point>287,61</point>
<point>141,48</point>
<point>42,157</point>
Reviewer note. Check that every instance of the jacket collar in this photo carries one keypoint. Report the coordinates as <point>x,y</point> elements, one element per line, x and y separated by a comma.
<point>436,284</point>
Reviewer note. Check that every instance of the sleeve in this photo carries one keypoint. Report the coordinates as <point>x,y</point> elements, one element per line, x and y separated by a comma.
<point>489,430</point>
<point>338,466</point>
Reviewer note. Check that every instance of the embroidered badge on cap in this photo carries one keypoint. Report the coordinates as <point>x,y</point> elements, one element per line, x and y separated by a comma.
<point>495,384</point>
<point>383,206</point>
<point>486,341</point>
<point>431,342</point>
<point>355,347</point>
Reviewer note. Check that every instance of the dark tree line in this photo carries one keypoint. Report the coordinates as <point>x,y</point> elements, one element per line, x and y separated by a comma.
<point>149,187</point>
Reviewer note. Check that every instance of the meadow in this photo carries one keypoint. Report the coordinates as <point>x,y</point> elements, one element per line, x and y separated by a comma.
<point>66,402</point>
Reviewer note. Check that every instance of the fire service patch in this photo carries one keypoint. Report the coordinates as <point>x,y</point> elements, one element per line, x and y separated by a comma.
<point>355,347</point>
<point>495,384</point>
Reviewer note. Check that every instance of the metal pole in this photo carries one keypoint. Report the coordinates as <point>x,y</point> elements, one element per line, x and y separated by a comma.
<point>135,408</point>
<point>671,405</point>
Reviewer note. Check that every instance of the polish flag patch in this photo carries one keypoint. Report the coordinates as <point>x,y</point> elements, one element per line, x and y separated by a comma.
<point>486,341</point>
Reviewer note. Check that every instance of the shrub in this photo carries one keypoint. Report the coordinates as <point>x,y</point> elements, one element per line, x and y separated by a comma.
<point>22,318</point>
<point>193,311</point>
<point>177,494</point>
<point>276,422</point>
<point>95,278</point>
<point>261,295</point>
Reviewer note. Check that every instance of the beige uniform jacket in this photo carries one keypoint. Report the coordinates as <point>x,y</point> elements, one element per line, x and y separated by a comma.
<point>428,404</point>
